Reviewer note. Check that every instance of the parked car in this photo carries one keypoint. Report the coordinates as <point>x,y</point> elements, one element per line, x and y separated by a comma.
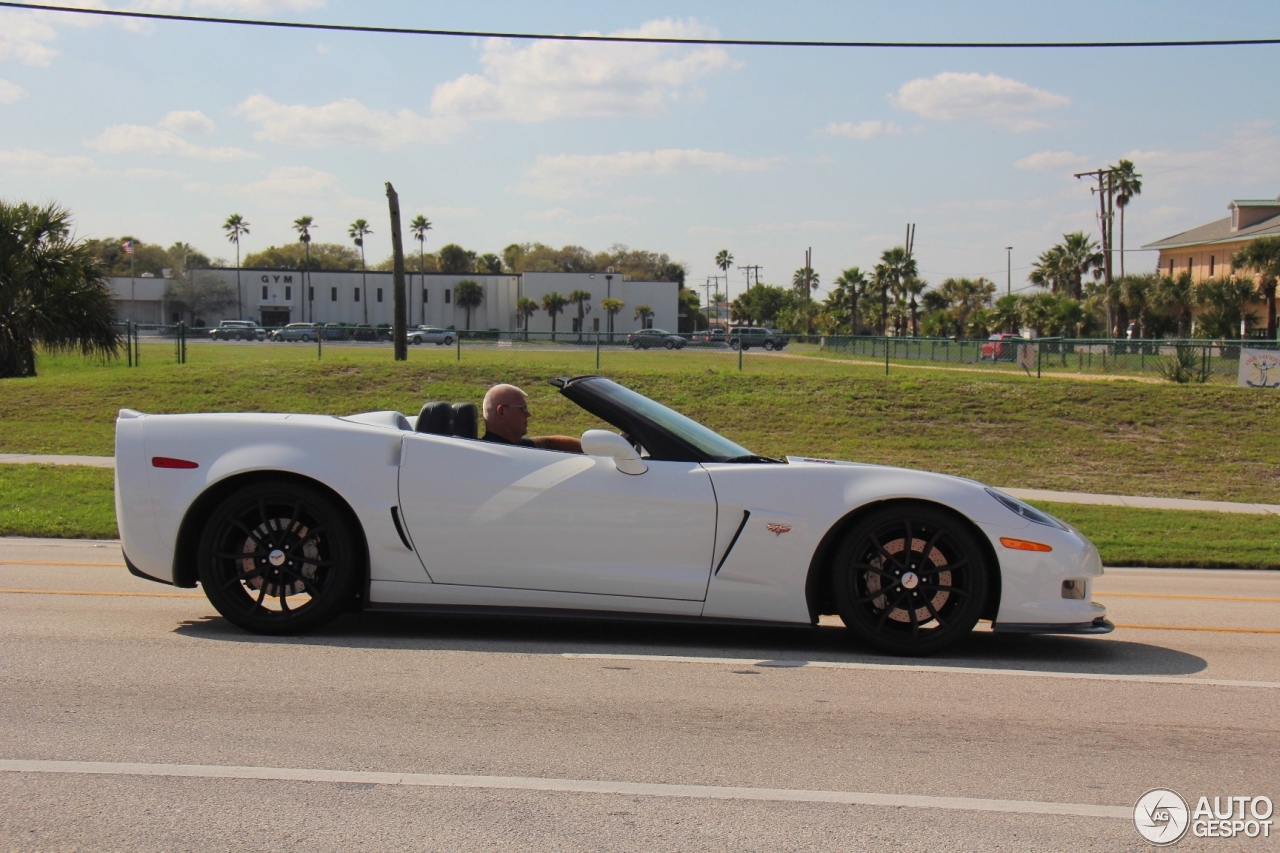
<point>296,332</point>
<point>337,332</point>
<point>430,335</point>
<point>649,338</point>
<point>710,338</point>
<point>1002,346</point>
<point>238,330</point>
<point>746,337</point>
<point>288,522</point>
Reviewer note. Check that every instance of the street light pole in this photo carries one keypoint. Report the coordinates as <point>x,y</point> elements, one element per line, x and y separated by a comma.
<point>1008,259</point>
<point>608,294</point>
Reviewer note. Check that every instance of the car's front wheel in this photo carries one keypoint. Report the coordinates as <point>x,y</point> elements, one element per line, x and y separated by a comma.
<point>670,344</point>
<point>448,342</point>
<point>910,579</point>
<point>768,345</point>
<point>278,558</point>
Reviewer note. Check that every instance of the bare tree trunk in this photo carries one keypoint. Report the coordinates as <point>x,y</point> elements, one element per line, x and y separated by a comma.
<point>399,320</point>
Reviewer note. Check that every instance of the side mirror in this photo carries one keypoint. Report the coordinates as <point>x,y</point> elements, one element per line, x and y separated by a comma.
<point>601,442</point>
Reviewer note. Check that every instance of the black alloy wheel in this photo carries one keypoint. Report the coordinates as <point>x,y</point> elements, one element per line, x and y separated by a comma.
<point>278,558</point>
<point>910,579</point>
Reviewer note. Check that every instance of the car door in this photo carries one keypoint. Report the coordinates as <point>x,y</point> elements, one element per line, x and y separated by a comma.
<point>495,515</point>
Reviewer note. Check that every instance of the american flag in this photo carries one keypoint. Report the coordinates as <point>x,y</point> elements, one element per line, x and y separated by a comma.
<point>128,247</point>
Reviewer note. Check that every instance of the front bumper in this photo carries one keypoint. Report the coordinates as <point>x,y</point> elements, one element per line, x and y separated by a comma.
<point>1101,625</point>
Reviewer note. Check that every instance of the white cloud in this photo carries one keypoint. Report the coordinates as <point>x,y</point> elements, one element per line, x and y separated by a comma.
<point>807,226</point>
<point>345,122</point>
<point>37,162</point>
<point>951,96</point>
<point>23,39</point>
<point>1250,157</point>
<point>154,142</point>
<point>10,93</point>
<point>188,122</point>
<point>567,175</point>
<point>254,7</point>
<point>549,79</point>
<point>1050,161</point>
<point>287,187</point>
<point>862,130</point>
<point>708,231</point>
<point>564,216</point>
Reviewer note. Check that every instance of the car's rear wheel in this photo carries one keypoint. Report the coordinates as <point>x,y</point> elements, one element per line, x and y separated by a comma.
<point>278,558</point>
<point>910,579</point>
<point>635,345</point>
<point>735,344</point>
<point>768,345</point>
<point>448,342</point>
<point>670,344</point>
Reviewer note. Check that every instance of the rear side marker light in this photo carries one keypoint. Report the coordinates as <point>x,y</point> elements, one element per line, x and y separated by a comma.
<point>170,462</point>
<point>1023,544</point>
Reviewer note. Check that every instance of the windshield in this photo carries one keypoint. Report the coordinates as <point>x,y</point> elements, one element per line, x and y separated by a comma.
<point>715,446</point>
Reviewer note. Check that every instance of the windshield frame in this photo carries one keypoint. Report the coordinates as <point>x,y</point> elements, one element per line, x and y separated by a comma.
<point>665,433</point>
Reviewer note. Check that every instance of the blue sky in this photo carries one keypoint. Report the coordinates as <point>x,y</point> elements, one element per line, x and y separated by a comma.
<point>163,129</point>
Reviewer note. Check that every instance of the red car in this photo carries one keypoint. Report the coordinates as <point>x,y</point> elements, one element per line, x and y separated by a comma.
<point>1002,346</point>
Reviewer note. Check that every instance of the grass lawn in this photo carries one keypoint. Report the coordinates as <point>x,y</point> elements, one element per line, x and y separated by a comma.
<point>1120,437</point>
<point>75,502</point>
<point>61,502</point>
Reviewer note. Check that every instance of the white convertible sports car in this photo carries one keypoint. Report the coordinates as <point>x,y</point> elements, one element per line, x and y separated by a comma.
<point>288,520</point>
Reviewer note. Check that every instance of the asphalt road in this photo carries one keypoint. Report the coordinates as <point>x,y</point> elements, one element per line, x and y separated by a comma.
<point>133,718</point>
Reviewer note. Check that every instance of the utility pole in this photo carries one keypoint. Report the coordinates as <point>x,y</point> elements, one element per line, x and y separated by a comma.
<point>1008,258</point>
<point>400,315</point>
<point>707,288</point>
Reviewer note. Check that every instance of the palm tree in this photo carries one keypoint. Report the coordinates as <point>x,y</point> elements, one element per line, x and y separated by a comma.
<point>236,227</point>
<point>526,308</point>
<point>358,231</point>
<point>468,294</point>
<point>852,286</point>
<point>489,263</point>
<point>1224,304</point>
<point>553,303</point>
<point>303,225</point>
<point>896,266</point>
<point>724,260</point>
<point>54,293</point>
<point>611,307</point>
<point>1005,314</point>
<point>643,313</point>
<point>1136,292</point>
<point>581,297</point>
<point>1263,257</point>
<point>1177,296</point>
<point>1080,255</point>
<point>966,296</point>
<point>419,228</point>
<point>1127,183</point>
<point>913,288</point>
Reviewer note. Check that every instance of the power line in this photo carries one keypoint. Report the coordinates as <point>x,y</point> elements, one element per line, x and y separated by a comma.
<point>413,31</point>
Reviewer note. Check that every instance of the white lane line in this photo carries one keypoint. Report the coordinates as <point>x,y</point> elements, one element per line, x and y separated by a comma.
<point>964,670</point>
<point>576,786</point>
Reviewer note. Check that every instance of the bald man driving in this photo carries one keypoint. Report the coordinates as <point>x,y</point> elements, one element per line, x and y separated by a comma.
<point>506,421</point>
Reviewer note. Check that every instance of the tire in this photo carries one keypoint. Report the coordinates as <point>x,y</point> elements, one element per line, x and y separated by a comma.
<point>415,341</point>
<point>256,595</point>
<point>768,345</point>
<point>635,345</point>
<point>944,558</point>
<point>448,342</point>
<point>735,345</point>
<point>306,339</point>
<point>670,344</point>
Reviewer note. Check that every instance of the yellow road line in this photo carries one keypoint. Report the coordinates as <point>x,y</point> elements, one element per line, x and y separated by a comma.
<point>100,592</point>
<point>1198,628</point>
<point>119,565</point>
<point>1097,594</point>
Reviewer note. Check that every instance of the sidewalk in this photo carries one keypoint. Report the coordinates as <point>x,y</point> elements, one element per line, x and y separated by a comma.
<point>1021,494</point>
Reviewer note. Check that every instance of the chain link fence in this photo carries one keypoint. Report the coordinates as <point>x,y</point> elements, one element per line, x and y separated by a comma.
<point>585,352</point>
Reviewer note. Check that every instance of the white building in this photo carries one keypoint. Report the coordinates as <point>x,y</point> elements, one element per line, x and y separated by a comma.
<point>279,297</point>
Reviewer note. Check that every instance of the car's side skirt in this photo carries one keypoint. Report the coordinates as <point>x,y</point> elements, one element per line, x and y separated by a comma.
<point>384,594</point>
<point>584,615</point>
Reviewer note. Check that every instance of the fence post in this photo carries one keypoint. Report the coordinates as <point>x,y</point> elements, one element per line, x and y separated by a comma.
<point>457,340</point>
<point>1039,355</point>
<point>886,355</point>
<point>597,350</point>
<point>128,342</point>
<point>740,348</point>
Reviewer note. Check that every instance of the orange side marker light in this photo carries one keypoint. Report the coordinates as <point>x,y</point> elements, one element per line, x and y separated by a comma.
<point>1023,544</point>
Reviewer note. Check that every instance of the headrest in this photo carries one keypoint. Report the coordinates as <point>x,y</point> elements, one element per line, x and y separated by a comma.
<point>436,418</point>
<point>466,423</point>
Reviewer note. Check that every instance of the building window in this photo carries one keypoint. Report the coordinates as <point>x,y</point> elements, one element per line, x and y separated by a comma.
<point>311,293</point>
<point>1211,260</point>
<point>333,294</point>
<point>379,294</point>
<point>447,295</point>
<point>424,296</point>
<point>288,293</point>
<point>264,292</point>
<point>1171,268</point>
<point>357,294</point>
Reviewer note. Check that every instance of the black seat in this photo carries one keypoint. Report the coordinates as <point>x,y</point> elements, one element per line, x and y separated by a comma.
<point>436,418</point>
<point>466,422</point>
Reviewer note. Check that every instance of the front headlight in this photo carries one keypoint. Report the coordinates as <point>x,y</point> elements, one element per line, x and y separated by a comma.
<point>1026,511</point>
